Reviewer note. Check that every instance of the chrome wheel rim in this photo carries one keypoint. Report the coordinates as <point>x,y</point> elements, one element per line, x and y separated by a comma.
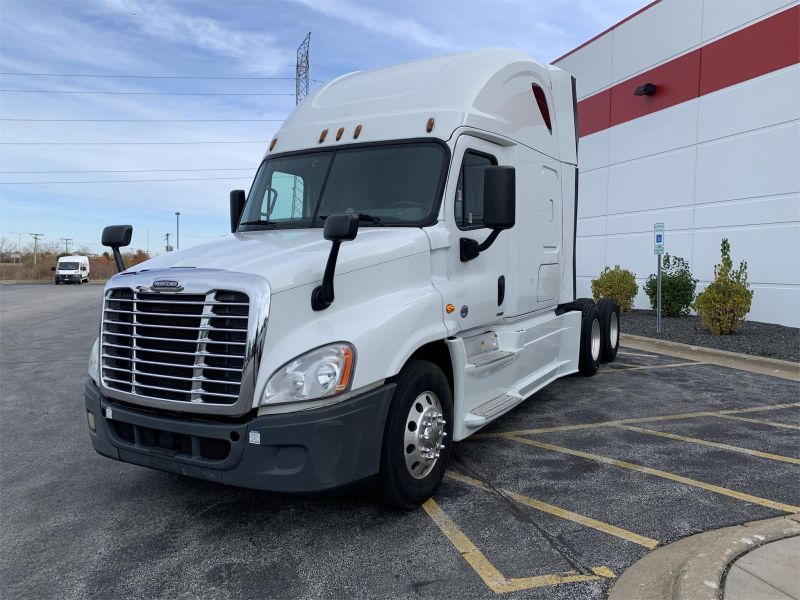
<point>613,334</point>
<point>423,440</point>
<point>595,339</point>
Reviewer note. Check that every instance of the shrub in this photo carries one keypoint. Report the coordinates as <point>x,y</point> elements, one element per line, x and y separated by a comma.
<point>617,284</point>
<point>724,303</point>
<point>677,287</point>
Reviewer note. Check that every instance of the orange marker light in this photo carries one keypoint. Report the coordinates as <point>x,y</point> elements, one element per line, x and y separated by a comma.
<point>450,308</point>
<point>357,132</point>
<point>323,135</point>
<point>429,127</point>
<point>272,143</point>
<point>347,370</point>
<point>339,133</point>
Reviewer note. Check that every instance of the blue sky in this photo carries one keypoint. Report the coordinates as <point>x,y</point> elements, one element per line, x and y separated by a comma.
<point>247,39</point>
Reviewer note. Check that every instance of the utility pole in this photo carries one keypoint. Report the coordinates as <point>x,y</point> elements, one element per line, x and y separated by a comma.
<point>67,242</point>
<point>177,230</point>
<point>35,237</point>
<point>301,72</point>
<point>168,248</point>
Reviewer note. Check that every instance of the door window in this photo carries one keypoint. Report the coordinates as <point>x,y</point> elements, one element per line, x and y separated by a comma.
<point>469,191</point>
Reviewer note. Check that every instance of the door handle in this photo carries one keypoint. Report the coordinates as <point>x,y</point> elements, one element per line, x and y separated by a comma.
<point>552,210</point>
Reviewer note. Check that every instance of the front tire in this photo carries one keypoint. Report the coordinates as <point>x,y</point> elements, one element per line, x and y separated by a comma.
<point>591,340</point>
<point>418,435</point>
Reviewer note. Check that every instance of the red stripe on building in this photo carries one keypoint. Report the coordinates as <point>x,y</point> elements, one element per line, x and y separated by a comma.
<point>761,48</point>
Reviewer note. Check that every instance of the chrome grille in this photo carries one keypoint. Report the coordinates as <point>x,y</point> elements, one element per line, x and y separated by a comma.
<point>175,346</point>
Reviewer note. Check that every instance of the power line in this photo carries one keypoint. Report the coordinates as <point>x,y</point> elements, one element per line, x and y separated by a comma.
<point>145,93</point>
<point>25,120</point>
<point>98,76</point>
<point>123,171</point>
<point>120,181</point>
<point>129,143</point>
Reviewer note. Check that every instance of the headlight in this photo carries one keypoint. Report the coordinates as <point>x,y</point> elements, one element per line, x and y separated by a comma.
<point>323,372</point>
<point>94,361</point>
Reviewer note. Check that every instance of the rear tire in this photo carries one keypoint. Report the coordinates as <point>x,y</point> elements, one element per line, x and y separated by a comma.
<point>609,319</point>
<point>417,437</point>
<point>591,340</point>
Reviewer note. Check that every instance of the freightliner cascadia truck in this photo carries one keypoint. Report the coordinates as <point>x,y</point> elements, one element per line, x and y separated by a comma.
<point>400,274</point>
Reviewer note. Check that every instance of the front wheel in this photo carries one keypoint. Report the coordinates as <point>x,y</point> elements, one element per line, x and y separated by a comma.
<point>417,438</point>
<point>609,318</point>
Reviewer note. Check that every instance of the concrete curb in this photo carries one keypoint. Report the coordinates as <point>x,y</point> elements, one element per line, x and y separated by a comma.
<point>744,362</point>
<point>694,568</point>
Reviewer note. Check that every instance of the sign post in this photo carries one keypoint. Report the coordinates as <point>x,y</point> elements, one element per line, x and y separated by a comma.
<point>658,250</point>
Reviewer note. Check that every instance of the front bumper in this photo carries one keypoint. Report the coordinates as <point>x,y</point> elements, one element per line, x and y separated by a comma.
<point>68,278</point>
<point>306,451</point>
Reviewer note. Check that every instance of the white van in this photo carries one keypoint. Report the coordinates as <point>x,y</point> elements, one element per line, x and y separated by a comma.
<point>72,269</point>
<point>401,274</point>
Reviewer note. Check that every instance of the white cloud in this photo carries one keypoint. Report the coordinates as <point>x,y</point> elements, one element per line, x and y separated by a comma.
<point>255,51</point>
<point>368,18</point>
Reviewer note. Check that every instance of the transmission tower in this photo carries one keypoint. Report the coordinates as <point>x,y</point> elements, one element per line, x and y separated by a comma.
<point>300,92</point>
<point>301,70</point>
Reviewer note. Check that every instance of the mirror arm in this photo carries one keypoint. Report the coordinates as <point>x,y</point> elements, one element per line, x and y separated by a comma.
<point>470,249</point>
<point>118,259</point>
<point>322,296</point>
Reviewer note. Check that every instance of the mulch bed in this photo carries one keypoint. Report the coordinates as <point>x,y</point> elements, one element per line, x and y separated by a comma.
<point>758,339</point>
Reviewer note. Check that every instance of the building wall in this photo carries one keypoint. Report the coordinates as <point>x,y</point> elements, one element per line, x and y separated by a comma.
<point>714,153</point>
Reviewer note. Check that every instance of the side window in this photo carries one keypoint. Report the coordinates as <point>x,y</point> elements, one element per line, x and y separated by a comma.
<point>541,101</point>
<point>469,191</point>
<point>284,197</point>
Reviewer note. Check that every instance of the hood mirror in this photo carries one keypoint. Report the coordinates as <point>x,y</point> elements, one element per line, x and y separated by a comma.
<point>338,229</point>
<point>116,237</point>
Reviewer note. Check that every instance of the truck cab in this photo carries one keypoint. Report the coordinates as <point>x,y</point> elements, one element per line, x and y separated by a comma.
<point>400,274</point>
<point>71,269</point>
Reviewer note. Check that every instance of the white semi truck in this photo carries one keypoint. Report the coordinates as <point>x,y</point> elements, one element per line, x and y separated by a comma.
<point>401,273</point>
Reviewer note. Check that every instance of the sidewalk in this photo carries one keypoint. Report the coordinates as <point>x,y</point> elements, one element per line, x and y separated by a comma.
<point>754,561</point>
<point>771,572</point>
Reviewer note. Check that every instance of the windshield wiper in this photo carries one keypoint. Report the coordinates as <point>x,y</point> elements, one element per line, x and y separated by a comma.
<point>269,224</point>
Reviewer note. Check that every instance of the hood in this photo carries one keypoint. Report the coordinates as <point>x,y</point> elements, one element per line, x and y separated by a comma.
<point>293,257</point>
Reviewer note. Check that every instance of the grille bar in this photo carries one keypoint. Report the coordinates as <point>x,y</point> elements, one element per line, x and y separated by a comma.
<point>189,358</point>
<point>181,302</point>
<point>148,337</point>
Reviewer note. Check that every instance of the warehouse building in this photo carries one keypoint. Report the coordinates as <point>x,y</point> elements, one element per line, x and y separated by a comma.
<point>690,115</point>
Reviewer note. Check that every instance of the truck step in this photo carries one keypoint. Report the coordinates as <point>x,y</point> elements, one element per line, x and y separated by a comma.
<point>487,358</point>
<point>482,414</point>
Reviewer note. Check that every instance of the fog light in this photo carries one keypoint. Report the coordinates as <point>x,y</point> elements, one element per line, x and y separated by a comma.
<point>90,418</point>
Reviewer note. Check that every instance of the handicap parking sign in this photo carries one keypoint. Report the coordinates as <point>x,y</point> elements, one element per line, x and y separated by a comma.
<point>658,238</point>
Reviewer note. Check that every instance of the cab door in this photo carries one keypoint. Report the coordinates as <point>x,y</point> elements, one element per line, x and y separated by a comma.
<point>476,287</point>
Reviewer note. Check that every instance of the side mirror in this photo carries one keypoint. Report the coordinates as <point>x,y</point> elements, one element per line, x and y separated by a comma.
<point>52,268</point>
<point>342,228</point>
<point>338,229</point>
<point>499,208</point>
<point>499,197</point>
<point>237,208</point>
<point>116,237</point>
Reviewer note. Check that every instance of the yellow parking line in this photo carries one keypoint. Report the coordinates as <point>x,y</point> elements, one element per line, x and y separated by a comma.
<point>648,367</point>
<point>493,578</point>
<point>683,438</point>
<point>560,512</point>
<point>657,473</point>
<point>760,421</point>
<point>469,551</point>
<point>691,415</point>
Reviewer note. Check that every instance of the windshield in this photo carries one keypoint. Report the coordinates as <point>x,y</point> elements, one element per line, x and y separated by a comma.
<point>394,184</point>
<point>67,266</point>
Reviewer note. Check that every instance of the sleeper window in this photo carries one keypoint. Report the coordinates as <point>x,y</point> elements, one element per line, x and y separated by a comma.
<point>469,191</point>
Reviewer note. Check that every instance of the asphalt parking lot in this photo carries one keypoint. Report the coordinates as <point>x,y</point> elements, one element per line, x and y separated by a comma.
<point>553,500</point>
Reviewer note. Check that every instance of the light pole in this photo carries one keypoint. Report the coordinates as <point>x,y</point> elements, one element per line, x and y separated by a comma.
<point>177,230</point>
